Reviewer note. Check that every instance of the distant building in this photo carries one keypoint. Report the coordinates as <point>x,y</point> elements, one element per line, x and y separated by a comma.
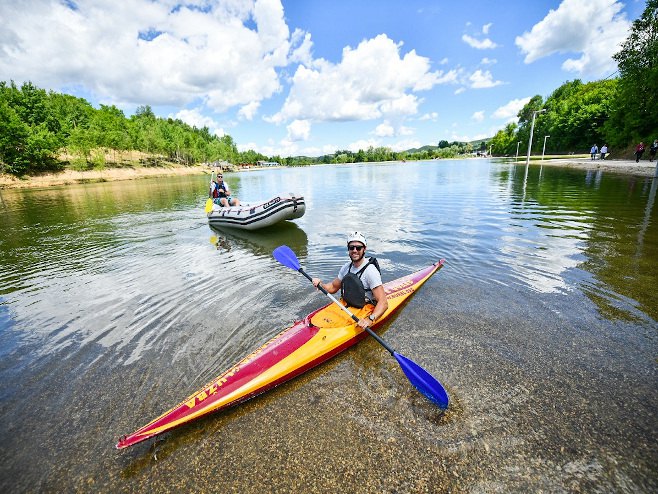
<point>267,163</point>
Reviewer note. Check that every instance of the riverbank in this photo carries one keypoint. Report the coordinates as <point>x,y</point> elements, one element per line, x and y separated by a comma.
<point>644,168</point>
<point>69,177</point>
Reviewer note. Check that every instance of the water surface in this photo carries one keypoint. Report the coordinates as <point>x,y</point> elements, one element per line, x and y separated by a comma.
<point>117,301</point>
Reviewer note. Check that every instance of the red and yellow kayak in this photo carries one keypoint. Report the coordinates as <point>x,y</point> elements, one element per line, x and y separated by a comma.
<point>307,343</point>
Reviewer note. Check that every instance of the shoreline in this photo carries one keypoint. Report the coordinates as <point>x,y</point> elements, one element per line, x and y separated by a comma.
<point>644,168</point>
<point>73,177</point>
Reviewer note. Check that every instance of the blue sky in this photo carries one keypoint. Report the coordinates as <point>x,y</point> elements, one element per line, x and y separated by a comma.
<point>309,77</point>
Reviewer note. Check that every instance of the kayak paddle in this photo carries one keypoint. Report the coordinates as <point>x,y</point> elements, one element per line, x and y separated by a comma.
<point>208,206</point>
<point>419,377</point>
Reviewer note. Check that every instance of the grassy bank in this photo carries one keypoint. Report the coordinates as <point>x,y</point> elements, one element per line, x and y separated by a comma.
<point>110,166</point>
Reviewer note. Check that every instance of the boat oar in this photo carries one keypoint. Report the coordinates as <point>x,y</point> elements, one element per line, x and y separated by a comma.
<point>208,206</point>
<point>419,377</point>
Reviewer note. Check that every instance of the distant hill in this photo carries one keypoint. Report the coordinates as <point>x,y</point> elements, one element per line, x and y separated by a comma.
<point>474,143</point>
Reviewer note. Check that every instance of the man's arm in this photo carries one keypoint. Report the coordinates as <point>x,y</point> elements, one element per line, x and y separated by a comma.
<point>332,287</point>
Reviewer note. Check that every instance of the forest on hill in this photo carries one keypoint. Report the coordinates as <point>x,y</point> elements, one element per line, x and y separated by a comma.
<point>619,112</point>
<point>43,130</point>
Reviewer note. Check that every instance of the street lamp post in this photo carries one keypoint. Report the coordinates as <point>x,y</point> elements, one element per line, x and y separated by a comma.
<point>544,148</point>
<point>532,131</point>
<point>516,158</point>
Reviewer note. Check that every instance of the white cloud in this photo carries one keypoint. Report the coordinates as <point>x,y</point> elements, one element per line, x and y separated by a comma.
<point>224,53</point>
<point>488,61</point>
<point>196,119</point>
<point>483,79</point>
<point>478,116</point>
<point>593,28</point>
<point>468,138</point>
<point>429,116</point>
<point>405,144</point>
<point>485,44</point>
<point>511,109</point>
<point>371,81</point>
<point>363,144</point>
<point>384,129</point>
<point>249,110</point>
<point>303,52</point>
<point>486,27</point>
<point>299,130</point>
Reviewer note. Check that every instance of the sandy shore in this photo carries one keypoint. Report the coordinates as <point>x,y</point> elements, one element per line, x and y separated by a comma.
<point>68,177</point>
<point>644,168</point>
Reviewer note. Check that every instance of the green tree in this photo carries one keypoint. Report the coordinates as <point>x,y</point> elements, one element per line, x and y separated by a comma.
<point>634,111</point>
<point>505,141</point>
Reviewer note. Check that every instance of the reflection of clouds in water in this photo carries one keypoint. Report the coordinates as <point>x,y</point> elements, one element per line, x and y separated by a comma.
<point>540,263</point>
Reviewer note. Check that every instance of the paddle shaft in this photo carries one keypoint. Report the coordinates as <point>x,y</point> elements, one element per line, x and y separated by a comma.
<point>349,313</point>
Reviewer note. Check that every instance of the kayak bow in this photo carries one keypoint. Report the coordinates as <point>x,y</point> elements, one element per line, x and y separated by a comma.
<point>307,343</point>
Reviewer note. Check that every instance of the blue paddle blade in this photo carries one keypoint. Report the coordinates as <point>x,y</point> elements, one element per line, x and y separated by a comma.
<point>287,257</point>
<point>423,381</point>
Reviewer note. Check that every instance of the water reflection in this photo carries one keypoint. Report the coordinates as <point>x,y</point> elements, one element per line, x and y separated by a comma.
<point>117,300</point>
<point>263,241</point>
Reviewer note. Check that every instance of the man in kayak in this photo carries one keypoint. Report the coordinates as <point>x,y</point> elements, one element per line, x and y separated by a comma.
<point>220,190</point>
<point>363,272</point>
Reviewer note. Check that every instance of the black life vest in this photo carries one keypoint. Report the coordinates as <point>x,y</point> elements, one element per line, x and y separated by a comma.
<point>351,288</point>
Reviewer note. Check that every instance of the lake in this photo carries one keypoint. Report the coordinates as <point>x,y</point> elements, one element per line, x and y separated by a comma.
<point>117,301</point>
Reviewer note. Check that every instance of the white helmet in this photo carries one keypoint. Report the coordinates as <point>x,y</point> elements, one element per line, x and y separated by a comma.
<point>357,237</point>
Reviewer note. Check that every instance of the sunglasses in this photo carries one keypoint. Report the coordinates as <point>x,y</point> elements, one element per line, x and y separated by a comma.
<point>355,247</point>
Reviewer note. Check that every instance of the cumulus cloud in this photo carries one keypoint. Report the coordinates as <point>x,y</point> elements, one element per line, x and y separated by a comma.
<point>480,44</point>
<point>249,110</point>
<point>511,109</point>
<point>371,81</point>
<point>484,44</point>
<point>483,79</point>
<point>223,53</point>
<point>194,118</point>
<point>478,116</point>
<point>299,130</point>
<point>592,28</point>
<point>386,129</point>
<point>429,116</point>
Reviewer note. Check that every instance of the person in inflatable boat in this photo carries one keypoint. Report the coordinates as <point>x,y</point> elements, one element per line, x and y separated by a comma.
<point>359,280</point>
<point>220,190</point>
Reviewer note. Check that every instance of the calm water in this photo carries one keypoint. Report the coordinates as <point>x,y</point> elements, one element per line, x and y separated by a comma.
<point>117,301</point>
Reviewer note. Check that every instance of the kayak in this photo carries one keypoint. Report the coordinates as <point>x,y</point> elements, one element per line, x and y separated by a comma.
<point>322,334</point>
<point>255,215</point>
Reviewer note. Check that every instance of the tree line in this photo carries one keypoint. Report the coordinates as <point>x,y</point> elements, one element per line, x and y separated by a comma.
<point>37,126</point>
<point>619,112</point>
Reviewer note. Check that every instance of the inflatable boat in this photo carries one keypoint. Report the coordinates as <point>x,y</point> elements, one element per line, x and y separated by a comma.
<point>255,215</point>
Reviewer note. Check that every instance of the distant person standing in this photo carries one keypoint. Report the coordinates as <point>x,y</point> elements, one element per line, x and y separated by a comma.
<point>604,151</point>
<point>652,149</point>
<point>639,151</point>
<point>594,151</point>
